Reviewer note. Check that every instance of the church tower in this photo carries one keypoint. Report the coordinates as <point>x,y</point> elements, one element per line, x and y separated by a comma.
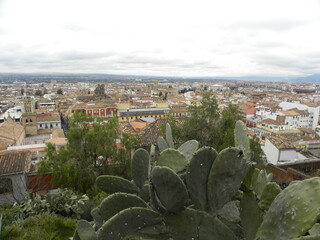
<point>29,117</point>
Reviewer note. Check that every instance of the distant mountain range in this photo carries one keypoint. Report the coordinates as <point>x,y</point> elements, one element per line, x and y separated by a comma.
<point>314,78</point>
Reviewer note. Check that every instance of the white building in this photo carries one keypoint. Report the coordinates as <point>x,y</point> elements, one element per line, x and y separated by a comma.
<point>280,150</point>
<point>299,115</point>
<point>14,113</point>
<point>48,121</point>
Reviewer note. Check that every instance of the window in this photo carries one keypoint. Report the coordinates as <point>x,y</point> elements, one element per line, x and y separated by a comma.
<point>40,125</point>
<point>5,185</point>
<point>30,120</point>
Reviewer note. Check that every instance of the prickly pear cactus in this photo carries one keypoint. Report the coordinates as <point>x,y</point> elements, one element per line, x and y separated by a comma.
<point>293,212</point>
<point>189,194</point>
<point>170,189</point>
<point>225,178</point>
<point>197,176</point>
<point>173,159</point>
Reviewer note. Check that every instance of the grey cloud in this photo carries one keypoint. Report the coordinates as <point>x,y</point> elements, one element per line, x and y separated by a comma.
<point>81,55</point>
<point>294,62</point>
<point>274,25</point>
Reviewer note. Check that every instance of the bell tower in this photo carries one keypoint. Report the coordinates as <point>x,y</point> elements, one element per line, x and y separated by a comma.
<point>29,117</point>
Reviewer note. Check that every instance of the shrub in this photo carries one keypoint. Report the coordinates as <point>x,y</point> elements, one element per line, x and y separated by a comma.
<point>41,227</point>
<point>65,202</point>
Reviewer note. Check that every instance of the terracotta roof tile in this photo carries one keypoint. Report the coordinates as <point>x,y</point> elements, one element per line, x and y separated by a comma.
<point>15,162</point>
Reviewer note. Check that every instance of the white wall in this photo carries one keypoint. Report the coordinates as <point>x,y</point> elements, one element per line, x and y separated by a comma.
<point>287,155</point>
<point>47,125</point>
<point>272,153</point>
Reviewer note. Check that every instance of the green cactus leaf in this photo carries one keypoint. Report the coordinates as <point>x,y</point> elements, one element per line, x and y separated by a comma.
<point>234,227</point>
<point>197,176</point>
<point>230,212</point>
<point>260,183</point>
<point>85,231</point>
<point>162,144</point>
<point>293,212</point>
<point>250,214</point>
<point>98,220</point>
<point>270,177</point>
<point>112,184</point>
<point>247,181</point>
<point>139,167</point>
<point>213,228</point>
<point>255,175</point>
<point>316,237</point>
<point>128,221</point>
<point>155,201</point>
<point>315,230</point>
<point>173,159</point>
<point>226,175</point>
<point>76,236</point>
<point>156,229</point>
<point>145,193</point>
<point>194,224</point>
<point>169,137</point>
<point>170,189</point>
<point>270,192</point>
<point>152,151</point>
<point>189,148</point>
<point>117,202</point>
<point>241,139</point>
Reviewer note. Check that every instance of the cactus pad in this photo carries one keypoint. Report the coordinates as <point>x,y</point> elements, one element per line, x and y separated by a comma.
<point>169,136</point>
<point>251,215</point>
<point>293,212</point>
<point>85,231</point>
<point>194,224</point>
<point>241,139</point>
<point>128,221</point>
<point>230,212</point>
<point>270,192</point>
<point>98,220</point>
<point>112,184</point>
<point>139,167</point>
<point>170,189</point>
<point>197,176</point>
<point>315,230</point>
<point>145,193</point>
<point>260,183</point>
<point>189,148</point>
<point>162,144</point>
<point>226,175</point>
<point>117,202</point>
<point>173,159</point>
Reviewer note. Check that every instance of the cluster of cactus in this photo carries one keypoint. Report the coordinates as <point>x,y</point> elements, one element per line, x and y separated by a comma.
<point>191,193</point>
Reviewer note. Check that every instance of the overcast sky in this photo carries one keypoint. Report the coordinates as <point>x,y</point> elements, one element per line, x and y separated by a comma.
<point>163,37</point>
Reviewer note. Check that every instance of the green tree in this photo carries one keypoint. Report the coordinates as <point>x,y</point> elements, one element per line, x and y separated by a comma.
<point>202,123</point>
<point>59,91</point>
<point>90,151</point>
<point>38,93</point>
<point>257,154</point>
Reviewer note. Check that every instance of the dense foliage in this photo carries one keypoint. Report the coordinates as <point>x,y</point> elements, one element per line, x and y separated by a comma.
<point>40,227</point>
<point>64,202</point>
<point>90,152</point>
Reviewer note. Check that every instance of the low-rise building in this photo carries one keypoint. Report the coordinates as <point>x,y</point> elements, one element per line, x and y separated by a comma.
<point>14,167</point>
